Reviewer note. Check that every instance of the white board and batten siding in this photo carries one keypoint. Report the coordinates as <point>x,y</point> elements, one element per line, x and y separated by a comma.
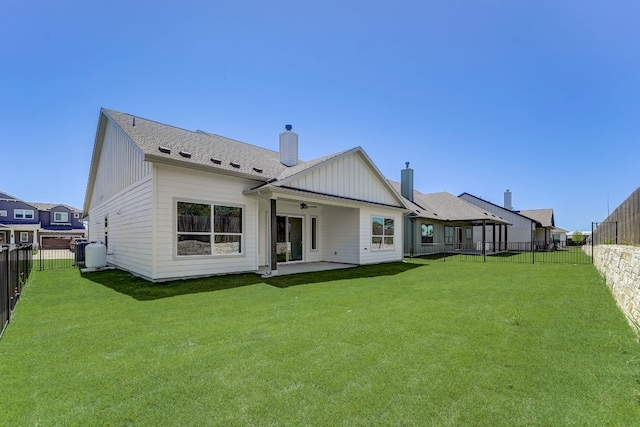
<point>173,184</point>
<point>341,234</point>
<point>122,194</point>
<point>350,177</point>
<point>121,165</point>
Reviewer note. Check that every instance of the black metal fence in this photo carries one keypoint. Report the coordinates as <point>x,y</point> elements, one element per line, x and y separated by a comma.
<point>16,263</point>
<point>521,252</point>
<point>55,257</point>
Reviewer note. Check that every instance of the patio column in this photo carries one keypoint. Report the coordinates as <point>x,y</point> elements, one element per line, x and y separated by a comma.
<point>493,237</point>
<point>506,238</point>
<point>500,237</point>
<point>484,237</point>
<point>273,258</point>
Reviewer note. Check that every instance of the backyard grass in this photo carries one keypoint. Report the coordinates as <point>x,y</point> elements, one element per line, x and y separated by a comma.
<point>418,343</point>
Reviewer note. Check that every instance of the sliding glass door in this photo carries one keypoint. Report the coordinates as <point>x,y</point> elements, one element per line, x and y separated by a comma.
<point>289,239</point>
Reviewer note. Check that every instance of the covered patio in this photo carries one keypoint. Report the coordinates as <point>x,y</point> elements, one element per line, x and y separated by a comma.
<point>304,267</point>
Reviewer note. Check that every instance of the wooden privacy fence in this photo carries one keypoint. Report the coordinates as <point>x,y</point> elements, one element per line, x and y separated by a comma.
<point>15,266</point>
<point>623,225</point>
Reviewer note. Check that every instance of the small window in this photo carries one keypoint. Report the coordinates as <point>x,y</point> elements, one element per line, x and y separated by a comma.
<point>382,230</point>
<point>24,236</point>
<point>3,213</point>
<point>314,233</point>
<point>426,232</point>
<point>469,233</point>
<point>60,217</point>
<point>23,214</point>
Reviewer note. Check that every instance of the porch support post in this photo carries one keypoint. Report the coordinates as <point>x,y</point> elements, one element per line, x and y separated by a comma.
<point>500,237</point>
<point>506,238</point>
<point>484,240</point>
<point>274,237</point>
<point>493,236</point>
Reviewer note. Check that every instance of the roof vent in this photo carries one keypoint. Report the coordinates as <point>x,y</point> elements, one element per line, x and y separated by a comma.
<point>164,150</point>
<point>235,165</point>
<point>259,170</point>
<point>185,154</point>
<point>216,161</point>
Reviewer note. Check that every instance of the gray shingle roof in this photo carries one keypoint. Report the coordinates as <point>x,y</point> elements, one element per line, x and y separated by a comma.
<point>49,206</point>
<point>197,147</point>
<point>445,206</point>
<point>164,142</point>
<point>543,216</point>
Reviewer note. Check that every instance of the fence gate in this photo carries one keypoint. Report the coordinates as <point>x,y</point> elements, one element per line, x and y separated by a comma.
<point>54,257</point>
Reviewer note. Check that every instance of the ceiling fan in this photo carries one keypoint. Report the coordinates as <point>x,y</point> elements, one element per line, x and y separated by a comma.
<point>303,205</point>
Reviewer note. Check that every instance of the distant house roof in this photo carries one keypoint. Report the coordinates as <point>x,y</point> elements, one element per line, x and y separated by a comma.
<point>505,210</point>
<point>49,206</point>
<point>39,206</point>
<point>445,206</point>
<point>543,216</point>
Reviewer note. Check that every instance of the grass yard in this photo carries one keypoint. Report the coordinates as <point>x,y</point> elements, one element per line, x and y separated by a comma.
<point>418,343</point>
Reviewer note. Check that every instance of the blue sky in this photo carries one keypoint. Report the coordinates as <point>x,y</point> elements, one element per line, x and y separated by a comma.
<point>542,98</point>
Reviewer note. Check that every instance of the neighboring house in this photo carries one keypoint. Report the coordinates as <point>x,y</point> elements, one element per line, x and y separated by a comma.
<point>42,224</point>
<point>559,237</point>
<point>171,203</point>
<point>545,224</point>
<point>442,222</point>
<point>528,227</point>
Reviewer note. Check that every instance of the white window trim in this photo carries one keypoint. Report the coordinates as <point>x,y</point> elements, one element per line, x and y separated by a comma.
<point>24,236</point>
<point>384,218</point>
<point>3,213</point>
<point>314,217</point>
<point>24,213</point>
<point>62,214</point>
<point>212,233</point>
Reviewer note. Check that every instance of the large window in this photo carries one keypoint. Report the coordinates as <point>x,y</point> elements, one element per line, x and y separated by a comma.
<point>381,233</point>
<point>60,217</point>
<point>23,213</point>
<point>448,234</point>
<point>205,229</point>
<point>426,232</point>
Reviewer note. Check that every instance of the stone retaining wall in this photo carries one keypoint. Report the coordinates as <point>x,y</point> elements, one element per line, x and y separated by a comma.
<point>620,267</point>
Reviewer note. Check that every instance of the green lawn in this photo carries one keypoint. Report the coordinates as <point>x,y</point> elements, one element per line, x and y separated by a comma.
<point>418,343</point>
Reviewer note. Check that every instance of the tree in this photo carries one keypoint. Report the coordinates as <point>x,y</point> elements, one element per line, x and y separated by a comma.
<point>577,237</point>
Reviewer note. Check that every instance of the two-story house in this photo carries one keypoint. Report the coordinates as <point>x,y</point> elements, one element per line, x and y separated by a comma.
<point>42,224</point>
